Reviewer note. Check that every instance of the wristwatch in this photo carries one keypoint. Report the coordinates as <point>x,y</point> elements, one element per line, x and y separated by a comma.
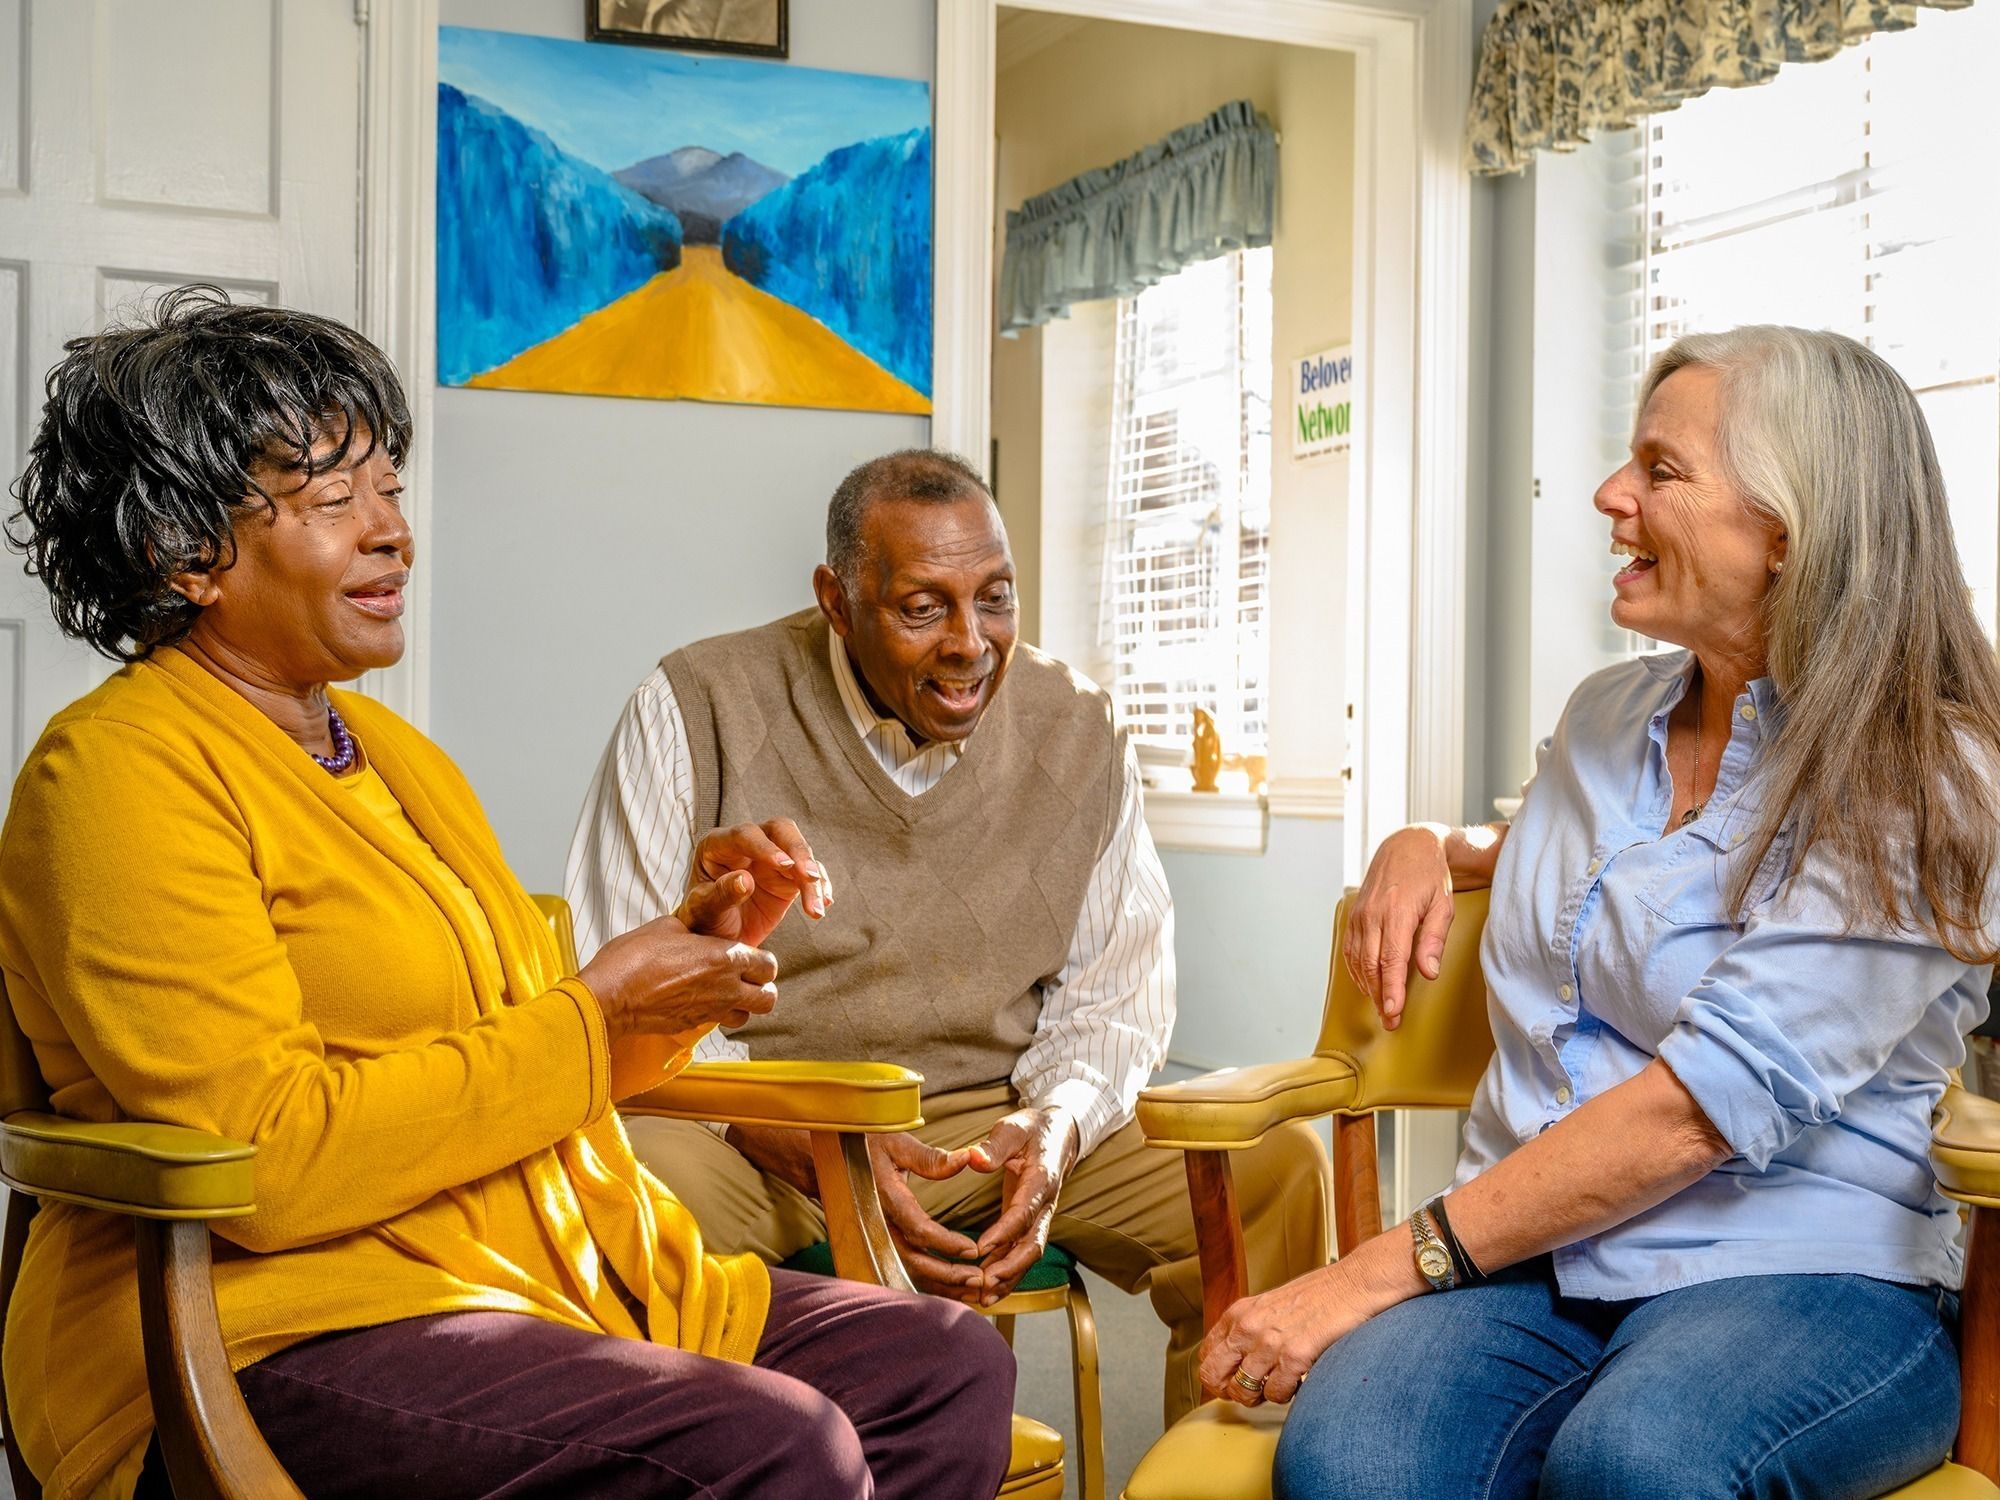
<point>1434,1261</point>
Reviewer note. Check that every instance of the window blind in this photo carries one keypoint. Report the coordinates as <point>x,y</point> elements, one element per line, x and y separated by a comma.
<point>1184,602</point>
<point>1851,194</point>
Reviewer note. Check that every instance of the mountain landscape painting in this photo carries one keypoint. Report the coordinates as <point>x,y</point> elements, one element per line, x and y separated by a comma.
<point>614,221</point>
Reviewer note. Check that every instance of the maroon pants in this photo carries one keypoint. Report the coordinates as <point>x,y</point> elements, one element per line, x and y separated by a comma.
<point>855,1392</point>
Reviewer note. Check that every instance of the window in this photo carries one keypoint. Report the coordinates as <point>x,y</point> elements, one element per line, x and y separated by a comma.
<point>1184,619</point>
<point>1849,194</point>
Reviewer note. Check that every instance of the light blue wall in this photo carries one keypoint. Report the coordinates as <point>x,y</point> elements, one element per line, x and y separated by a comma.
<point>1252,939</point>
<point>577,539</point>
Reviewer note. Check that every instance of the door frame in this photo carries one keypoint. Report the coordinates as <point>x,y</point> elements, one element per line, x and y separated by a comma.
<point>1406,545</point>
<point>1408,518</point>
<point>398,283</point>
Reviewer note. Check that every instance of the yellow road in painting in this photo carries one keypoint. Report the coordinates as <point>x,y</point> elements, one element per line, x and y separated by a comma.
<point>700,331</point>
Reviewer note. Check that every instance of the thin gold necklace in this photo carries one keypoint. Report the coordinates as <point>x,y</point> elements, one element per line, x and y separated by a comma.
<point>1694,786</point>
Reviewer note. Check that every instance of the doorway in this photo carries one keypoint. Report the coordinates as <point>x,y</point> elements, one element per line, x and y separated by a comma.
<point>210,140</point>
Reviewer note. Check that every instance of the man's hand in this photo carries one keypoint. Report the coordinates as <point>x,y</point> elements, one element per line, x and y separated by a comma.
<point>778,860</point>
<point>937,1259</point>
<point>1036,1148</point>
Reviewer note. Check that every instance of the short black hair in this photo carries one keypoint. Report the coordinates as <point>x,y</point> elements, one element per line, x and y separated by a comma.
<point>909,474</point>
<point>141,465</point>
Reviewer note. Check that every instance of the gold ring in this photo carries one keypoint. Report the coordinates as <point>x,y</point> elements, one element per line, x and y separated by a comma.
<point>1254,1384</point>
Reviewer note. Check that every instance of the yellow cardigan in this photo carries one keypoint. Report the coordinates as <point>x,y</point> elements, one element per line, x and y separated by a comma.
<point>200,926</point>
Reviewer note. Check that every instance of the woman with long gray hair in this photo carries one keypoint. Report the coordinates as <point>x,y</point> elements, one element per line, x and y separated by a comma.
<point>1739,928</point>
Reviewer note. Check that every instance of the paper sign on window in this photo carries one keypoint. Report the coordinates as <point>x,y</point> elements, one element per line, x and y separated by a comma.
<point>1323,402</point>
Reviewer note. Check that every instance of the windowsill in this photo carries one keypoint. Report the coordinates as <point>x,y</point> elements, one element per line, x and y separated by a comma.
<point>1206,822</point>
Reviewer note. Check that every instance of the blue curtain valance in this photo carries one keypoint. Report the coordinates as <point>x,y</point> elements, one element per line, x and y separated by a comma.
<point>1209,188</point>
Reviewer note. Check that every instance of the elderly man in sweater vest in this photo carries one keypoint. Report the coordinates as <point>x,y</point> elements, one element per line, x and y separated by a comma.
<point>984,904</point>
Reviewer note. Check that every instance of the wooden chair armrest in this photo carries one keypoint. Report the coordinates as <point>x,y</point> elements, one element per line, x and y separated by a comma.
<point>1965,1147</point>
<point>1234,1108</point>
<point>172,1180</point>
<point>871,1098</point>
<point>838,1105</point>
<point>132,1167</point>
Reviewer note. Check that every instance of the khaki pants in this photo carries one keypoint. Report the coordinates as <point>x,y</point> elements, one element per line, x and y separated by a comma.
<point>1123,1211</point>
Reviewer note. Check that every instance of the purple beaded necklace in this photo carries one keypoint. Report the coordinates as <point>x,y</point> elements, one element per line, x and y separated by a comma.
<point>343,757</point>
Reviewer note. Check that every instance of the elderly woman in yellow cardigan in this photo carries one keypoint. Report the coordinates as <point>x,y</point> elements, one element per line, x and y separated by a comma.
<point>233,899</point>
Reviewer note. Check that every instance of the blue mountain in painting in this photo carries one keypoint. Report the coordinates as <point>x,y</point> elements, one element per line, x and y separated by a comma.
<point>848,240</point>
<point>702,188</point>
<point>530,239</point>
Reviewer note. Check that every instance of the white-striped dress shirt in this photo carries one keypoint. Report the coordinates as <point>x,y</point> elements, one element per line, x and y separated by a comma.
<point>1105,1018</point>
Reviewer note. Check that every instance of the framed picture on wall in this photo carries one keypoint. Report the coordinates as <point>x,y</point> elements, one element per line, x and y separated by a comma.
<point>674,226</point>
<point>754,26</point>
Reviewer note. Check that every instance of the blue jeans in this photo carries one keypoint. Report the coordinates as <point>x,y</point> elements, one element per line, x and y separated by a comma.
<point>1795,1386</point>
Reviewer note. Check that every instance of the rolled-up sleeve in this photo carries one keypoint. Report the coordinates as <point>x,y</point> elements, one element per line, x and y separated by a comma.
<point>1800,1012</point>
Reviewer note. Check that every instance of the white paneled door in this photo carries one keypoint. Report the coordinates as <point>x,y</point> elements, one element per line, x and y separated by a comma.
<point>145,144</point>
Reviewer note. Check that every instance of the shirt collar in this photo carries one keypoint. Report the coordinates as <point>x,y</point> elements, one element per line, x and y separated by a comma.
<point>860,712</point>
<point>1678,667</point>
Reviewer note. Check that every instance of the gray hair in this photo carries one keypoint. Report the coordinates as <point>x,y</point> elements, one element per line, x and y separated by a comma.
<point>1890,690</point>
<point>928,474</point>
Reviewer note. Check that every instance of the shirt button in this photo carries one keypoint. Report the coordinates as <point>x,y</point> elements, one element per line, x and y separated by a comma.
<point>1563,1094</point>
<point>1748,711</point>
<point>1596,865</point>
<point>1564,992</point>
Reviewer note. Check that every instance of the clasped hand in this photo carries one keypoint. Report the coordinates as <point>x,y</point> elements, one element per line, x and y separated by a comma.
<point>1034,1149</point>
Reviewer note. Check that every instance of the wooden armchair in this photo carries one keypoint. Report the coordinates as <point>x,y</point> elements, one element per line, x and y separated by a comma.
<point>1222,1451</point>
<point>173,1181</point>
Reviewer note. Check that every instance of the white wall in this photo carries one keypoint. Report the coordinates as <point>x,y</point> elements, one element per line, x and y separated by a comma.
<point>578,539</point>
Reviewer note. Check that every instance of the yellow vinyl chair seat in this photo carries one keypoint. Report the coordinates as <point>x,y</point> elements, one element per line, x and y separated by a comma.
<point>1035,1467</point>
<point>1220,1451</point>
<point>1231,1448</point>
<point>1965,1147</point>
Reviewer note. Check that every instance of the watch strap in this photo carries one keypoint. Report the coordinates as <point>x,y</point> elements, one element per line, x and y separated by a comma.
<point>1433,1256</point>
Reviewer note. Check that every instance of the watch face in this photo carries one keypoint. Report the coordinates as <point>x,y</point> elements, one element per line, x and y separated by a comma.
<point>1434,1262</point>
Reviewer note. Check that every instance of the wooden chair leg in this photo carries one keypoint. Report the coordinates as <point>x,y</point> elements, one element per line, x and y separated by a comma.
<point>855,1226</point>
<point>1003,1324</point>
<point>20,1214</point>
<point>1218,1233</point>
<point>1089,1392</point>
<point>1357,1187</point>
<point>1979,1348</point>
<point>212,1448</point>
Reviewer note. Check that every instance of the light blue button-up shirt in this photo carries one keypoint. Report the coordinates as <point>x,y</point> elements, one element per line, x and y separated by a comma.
<point>1815,1038</point>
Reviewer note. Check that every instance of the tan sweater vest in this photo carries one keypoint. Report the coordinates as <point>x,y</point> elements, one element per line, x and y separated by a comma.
<point>950,909</point>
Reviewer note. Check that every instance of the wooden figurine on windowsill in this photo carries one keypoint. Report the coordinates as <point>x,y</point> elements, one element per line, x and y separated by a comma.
<point>1207,751</point>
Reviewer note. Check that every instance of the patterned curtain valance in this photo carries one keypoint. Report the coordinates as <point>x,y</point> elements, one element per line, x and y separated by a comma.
<point>1207,189</point>
<point>1552,71</point>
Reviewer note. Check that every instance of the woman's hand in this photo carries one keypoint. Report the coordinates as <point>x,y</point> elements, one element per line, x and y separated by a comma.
<point>781,866</point>
<point>1274,1338</point>
<point>665,978</point>
<point>1402,914</point>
